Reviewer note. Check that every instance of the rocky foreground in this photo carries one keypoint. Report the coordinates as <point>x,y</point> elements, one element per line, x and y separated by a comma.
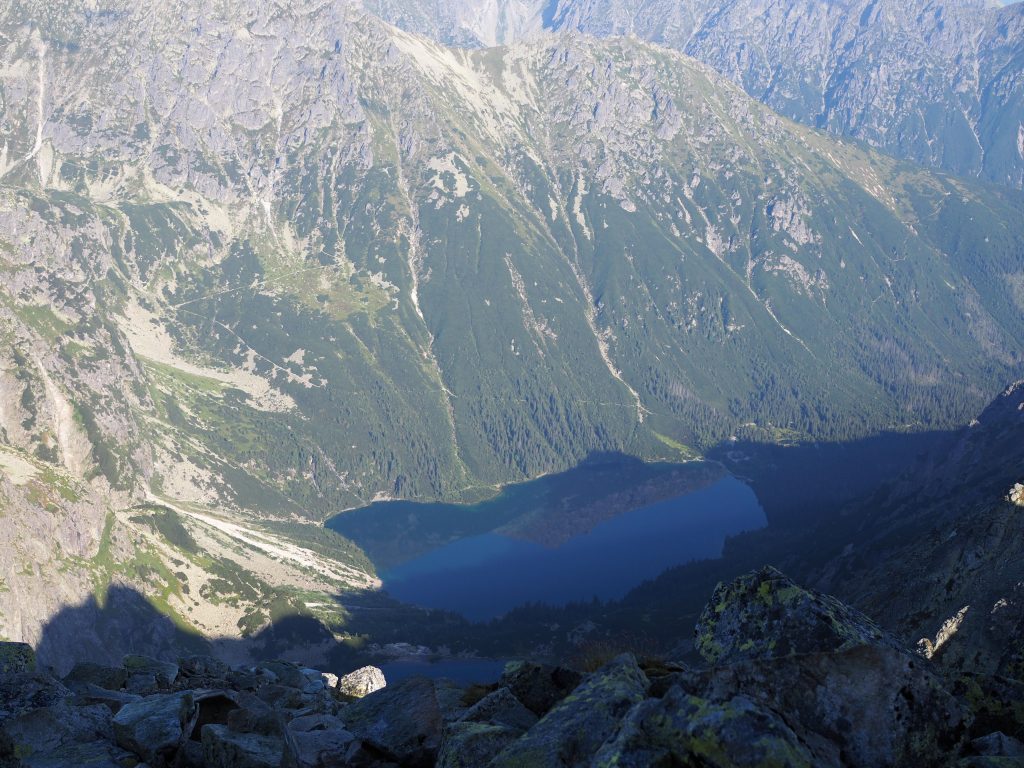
<point>792,678</point>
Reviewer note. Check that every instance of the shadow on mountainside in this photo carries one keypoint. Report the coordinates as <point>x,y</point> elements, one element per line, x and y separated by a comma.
<point>818,498</point>
<point>797,485</point>
<point>127,622</point>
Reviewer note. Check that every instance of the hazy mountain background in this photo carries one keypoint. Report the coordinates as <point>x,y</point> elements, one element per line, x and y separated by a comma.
<point>263,262</point>
<point>935,82</point>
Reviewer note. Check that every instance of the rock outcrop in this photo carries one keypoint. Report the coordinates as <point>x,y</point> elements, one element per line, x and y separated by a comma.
<point>792,678</point>
<point>764,615</point>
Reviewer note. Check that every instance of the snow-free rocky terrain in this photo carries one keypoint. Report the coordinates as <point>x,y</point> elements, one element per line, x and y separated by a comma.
<point>940,82</point>
<point>262,262</point>
<point>789,678</point>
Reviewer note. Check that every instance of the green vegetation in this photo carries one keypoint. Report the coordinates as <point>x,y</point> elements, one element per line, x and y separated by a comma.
<point>166,522</point>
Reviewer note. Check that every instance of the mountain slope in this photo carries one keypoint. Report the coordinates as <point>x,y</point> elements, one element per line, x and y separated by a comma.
<point>940,83</point>
<point>264,263</point>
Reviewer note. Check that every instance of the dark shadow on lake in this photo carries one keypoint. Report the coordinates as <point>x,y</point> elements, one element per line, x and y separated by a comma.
<point>645,538</point>
<point>595,531</point>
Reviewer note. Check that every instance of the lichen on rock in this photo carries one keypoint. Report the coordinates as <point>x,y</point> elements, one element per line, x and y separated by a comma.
<point>17,657</point>
<point>765,615</point>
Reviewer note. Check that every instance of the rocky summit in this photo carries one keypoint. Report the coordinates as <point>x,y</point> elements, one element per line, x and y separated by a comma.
<point>789,677</point>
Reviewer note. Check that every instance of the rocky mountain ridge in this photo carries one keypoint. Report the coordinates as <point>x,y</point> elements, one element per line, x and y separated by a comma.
<point>940,83</point>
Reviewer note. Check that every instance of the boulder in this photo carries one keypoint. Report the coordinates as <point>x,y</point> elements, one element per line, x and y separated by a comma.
<point>681,729</point>
<point>764,615</point>
<point>500,707</point>
<point>538,686</point>
<point>86,694</point>
<point>330,679</point>
<point>283,696</point>
<point>224,748</point>
<point>998,744</point>
<point>143,684</point>
<point>154,727</point>
<point>205,668</point>
<point>16,658</point>
<point>164,672</point>
<point>284,673</point>
<point>865,707</point>
<point>24,691</point>
<point>361,682</point>
<point>1016,494</point>
<point>469,744</point>
<point>403,722</point>
<point>254,716</point>
<point>316,741</point>
<point>99,675</point>
<point>575,728</point>
<point>61,735</point>
<point>244,679</point>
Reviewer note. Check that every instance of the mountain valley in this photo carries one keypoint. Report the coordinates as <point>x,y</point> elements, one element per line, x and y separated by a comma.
<point>293,294</point>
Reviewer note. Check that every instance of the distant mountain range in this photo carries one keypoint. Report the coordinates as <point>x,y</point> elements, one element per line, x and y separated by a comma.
<point>263,262</point>
<point>940,83</point>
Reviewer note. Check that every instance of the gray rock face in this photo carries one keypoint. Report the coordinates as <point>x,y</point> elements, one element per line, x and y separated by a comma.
<point>284,673</point>
<point>403,721</point>
<point>998,744</point>
<point>317,741</point>
<point>613,175</point>
<point>867,706</point>
<point>472,744</point>
<point>501,707</point>
<point>224,748</point>
<point>16,657</point>
<point>26,691</point>
<point>154,727</point>
<point>949,94</point>
<point>765,615</point>
<point>92,694</point>
<point>575,728</point>
<point>681,729</point>
<point>361,682</point>
<point>62,735</point>
<point>99,675</point>
<point>199,668</point>
<point>163,673</point>
<point>538,686</point>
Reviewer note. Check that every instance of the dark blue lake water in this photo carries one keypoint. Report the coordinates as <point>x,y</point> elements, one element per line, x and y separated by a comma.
<point>460,670</point>
<point>484,575</point>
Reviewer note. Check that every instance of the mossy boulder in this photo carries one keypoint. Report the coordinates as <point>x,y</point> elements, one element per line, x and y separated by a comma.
<point>224,748</point>
<point>24,691</point>
<point>471,745</point>
<point>154,727</point>
<point>996,703</point>
<point>539,686</point>
<point>682,729</point>
<point>865,707</point>
<point>61,735</point>
<point>575,728</point>
<point>765,615</point>
<point>501,707</point>
<point>16,657</point>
